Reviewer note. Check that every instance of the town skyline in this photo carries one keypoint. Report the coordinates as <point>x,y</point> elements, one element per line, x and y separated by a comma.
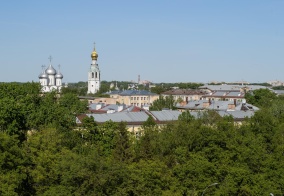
<point>162,41</point>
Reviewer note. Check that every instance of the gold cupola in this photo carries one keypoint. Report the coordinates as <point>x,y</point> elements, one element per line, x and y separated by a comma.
<point>94,54</point>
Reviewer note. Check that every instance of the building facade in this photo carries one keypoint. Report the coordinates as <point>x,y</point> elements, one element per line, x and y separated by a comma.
<point>138,98</point>
<point>94,74</point>
<point>184,94</point>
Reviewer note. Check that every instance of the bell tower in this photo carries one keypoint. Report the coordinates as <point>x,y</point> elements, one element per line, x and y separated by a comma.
<point>94,75</point>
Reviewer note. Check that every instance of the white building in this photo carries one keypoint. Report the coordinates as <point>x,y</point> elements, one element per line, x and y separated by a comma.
<point>94,74</point>
<point>50,79</point>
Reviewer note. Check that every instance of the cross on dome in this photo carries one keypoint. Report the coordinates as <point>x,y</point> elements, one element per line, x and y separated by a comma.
<point>43,66</point>
<point>50,58</point>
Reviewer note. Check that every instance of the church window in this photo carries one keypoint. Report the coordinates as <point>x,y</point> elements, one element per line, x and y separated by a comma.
<point>92,74</point>
<point>96,74</point>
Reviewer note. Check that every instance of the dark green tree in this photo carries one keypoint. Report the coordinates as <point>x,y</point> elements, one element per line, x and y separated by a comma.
<point>163,102</point>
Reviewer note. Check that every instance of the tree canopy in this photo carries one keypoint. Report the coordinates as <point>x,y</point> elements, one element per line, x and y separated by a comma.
<point>42,152</point>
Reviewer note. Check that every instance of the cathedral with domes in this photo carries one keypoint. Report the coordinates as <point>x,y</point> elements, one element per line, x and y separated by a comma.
<point>50,79</point>
<point>94,74</point>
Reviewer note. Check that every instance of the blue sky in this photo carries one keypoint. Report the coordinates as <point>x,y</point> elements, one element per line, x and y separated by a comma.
<point>162,40</point>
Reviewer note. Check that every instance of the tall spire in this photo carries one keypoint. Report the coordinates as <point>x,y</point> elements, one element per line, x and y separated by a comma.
<point>94,54</point>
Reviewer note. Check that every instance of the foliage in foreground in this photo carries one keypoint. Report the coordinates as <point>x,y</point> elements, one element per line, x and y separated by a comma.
<point>180,158</point>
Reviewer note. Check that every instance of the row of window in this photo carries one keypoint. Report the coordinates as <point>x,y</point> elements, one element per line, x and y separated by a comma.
<point>139,104</point>
<point>141,98</point>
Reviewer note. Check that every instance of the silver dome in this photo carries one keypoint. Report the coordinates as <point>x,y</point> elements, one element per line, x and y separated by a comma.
<point>43,75</point>
<point>50,70</point>
<point>59,75</point>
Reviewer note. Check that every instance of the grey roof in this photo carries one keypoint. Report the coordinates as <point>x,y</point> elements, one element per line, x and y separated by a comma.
<point>93,106</point>
<point>220,105</point>
<point>135,92</point>
<point>217,105</point>
<point>235,94</point>
<point>184,92</point>
<point>222,87</point>
<point>166,115</point>
<point>226,87</point>
<point>279,92</point>
<point>219,93</point>
<point>256,87</point>
<point>112,107</point>
<point>196,105</point>
<point>113,92</point>
<point>132,92</point>
<point>236,114</point>
<point>121,116</point>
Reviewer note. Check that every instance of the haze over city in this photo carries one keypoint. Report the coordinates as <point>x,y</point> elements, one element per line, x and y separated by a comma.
<point>163,41</point>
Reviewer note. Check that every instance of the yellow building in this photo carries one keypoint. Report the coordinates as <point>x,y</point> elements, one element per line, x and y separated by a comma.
<point>138,98</point>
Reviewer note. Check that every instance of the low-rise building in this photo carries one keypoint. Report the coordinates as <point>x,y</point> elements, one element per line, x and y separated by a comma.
<point>138,98</point>
<point>185,94</point>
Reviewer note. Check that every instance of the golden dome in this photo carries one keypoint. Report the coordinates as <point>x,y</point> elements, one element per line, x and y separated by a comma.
<point>94,54</point>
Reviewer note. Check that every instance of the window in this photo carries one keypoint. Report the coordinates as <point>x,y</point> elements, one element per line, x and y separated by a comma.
<point>96,74</point>
<point>131,98</point>
<point>134,98</point>
<point>92,74</point>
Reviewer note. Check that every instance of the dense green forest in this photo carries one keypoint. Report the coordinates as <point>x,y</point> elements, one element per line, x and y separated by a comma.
<point>43,152</point>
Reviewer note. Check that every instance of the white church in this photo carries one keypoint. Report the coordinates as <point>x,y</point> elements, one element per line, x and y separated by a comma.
<point>50,79</point>
<point>94,74</point>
